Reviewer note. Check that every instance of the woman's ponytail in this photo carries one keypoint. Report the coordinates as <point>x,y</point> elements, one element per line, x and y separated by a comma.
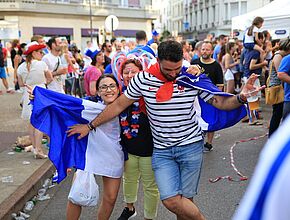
<point>256,22</point>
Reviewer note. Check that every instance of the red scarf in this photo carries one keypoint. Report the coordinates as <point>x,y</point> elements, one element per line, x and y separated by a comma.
<point>165,91</point>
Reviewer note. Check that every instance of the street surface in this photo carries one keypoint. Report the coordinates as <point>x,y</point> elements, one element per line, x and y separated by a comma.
<point>218,201</point>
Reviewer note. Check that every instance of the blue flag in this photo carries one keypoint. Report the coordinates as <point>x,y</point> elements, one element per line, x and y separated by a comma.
<point>99,152</point>
<point>211,118</point>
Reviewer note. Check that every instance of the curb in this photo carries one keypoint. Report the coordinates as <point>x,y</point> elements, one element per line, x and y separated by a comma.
<point>26,191</point>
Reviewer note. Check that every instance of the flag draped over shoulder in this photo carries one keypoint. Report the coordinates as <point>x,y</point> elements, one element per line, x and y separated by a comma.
<point>211,118</point>
<point>52,114</point>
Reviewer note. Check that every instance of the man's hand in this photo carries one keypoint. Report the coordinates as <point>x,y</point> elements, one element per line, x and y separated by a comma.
<point>249,88</point>
<point>194,70</point>
<point>81,129</point>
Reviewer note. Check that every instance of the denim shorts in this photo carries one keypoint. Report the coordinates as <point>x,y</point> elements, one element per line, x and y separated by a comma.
<point>177,169</point>
<point>249,46</point>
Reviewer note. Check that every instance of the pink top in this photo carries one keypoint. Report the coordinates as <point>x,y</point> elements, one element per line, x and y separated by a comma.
<point>91,74</point>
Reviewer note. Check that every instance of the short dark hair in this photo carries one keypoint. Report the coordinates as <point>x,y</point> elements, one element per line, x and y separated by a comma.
<point>104,45</point>
<point>51,41</point>
<point>113,40</point>
<point>141,35</point>
<point>170,50</point>
<point>222,36</point>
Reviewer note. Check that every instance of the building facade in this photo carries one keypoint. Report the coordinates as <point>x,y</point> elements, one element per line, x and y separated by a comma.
<point>194,19</point>
<point>77,20</point>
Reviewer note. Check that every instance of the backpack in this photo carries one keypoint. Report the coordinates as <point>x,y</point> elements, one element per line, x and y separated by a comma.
<point>1,57</point>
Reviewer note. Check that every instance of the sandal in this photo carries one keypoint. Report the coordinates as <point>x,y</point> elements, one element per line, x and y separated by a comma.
<point>40,156</point>
<point>252,123</point>
<point>255,123</point>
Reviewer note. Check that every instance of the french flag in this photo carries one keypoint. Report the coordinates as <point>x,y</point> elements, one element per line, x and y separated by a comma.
<point>268,195</point>
<point>210,118</point>
<point>54,112</point>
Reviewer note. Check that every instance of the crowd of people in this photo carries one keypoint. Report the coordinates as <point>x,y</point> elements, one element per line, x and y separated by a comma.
<point>159,134</point>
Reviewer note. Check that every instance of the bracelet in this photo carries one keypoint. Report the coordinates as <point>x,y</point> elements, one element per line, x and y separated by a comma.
<point>241,100</point>
<point>91,126</point>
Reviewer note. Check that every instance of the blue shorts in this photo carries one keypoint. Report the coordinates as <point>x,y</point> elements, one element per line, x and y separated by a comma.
<point>249,46</point>
<point>177,169</point>
<point>2,73</point>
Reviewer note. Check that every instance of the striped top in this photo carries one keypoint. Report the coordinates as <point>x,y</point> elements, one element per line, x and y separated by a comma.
<point>173,122</point>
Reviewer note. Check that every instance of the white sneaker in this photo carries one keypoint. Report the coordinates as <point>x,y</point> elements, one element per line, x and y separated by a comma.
<point>10,90</point>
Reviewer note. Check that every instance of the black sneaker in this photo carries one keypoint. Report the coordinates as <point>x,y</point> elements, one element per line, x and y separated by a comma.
<point>207,147</point>
<point>127,214</point>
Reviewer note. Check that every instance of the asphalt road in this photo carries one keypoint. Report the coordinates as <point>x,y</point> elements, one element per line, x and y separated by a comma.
<point>218,201</point>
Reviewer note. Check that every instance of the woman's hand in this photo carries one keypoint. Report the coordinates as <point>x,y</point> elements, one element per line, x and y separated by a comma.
<point>30,91</point>
<point>194,70</point>
<point>249,88</point>
<point>81,129</point>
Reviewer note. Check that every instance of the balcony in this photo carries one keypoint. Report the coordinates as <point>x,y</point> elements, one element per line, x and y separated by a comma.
<point>227,22</point>
<point>133,9</point>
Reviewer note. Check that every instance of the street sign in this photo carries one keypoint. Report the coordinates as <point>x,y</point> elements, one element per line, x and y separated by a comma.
<point>111,23</point>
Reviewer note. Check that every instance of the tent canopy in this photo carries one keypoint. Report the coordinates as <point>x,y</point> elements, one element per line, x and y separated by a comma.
<point>276,17</point>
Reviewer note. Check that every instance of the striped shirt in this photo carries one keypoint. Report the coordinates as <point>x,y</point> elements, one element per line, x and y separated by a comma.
<point>173,122</point>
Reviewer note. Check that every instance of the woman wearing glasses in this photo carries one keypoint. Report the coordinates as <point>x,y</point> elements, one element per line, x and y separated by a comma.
<point>33,72</point>
<point>110,161</point>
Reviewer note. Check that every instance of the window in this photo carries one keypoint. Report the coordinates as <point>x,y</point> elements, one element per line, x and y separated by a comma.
<point>226,12</point>
<point>243,7</point>
<point>213,13</point>
<point>234,9</point>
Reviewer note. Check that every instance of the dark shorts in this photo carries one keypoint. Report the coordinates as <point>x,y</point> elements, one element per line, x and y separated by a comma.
<point>249,46</point>
<point>2,73</point>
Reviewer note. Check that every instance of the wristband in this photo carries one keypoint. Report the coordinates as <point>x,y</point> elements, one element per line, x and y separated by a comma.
<point>241,100</point>
<point>91,126</point>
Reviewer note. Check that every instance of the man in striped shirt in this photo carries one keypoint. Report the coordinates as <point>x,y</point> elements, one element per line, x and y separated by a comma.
<point>177,136</point>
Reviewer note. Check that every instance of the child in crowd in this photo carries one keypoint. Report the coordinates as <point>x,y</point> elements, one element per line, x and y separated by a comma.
<point>251,40</point>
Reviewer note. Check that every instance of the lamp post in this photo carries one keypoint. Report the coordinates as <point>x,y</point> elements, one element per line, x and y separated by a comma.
<point>91,20</point>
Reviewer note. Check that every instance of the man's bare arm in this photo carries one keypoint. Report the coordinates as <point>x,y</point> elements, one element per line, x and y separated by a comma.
<point>113,110</point>
<point>225,102</point>
<point>284,77</point>
<point>232,102</point>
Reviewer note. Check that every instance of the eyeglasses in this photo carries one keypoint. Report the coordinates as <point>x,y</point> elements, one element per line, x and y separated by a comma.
<point>104,88</point>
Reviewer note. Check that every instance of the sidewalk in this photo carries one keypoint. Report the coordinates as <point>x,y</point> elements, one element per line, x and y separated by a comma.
<point>27,179</point>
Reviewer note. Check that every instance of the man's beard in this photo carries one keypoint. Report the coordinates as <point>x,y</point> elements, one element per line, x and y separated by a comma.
<point>206,57</point>
<point>168,77</point>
